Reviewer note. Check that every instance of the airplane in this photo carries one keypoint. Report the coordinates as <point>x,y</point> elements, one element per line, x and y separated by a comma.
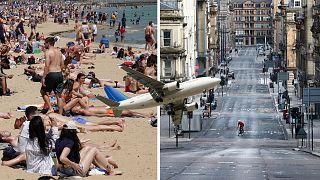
<point>173,94</point>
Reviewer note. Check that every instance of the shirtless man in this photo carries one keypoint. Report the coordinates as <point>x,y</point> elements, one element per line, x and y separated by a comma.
<point>52,75</point>
<point>149,36</point>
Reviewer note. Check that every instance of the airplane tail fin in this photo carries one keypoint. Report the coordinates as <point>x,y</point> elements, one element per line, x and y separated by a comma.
<point>114,94</point>
<point>107,101</point>
<point>112,99</point>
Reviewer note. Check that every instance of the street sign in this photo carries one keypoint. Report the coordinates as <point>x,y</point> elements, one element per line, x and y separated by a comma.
<point>268,64</point>
<point>314,95</point>
<point>283,76</point>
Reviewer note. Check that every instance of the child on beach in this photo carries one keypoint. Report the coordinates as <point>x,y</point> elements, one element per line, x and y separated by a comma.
<point>117,34</point>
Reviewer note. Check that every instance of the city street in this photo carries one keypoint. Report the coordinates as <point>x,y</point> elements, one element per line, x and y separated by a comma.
<point>217,152</point>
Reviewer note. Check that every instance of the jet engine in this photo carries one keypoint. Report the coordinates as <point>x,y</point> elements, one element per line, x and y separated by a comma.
<point>171,86</point>
<point>191,107</point>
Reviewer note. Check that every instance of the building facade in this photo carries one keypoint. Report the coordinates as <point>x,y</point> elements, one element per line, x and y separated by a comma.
<point>305,47</point>
<point>252,22</point>
<point>315,29</point>
<point>172,51</point>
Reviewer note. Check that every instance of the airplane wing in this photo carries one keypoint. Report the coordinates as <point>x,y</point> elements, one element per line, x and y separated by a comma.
<point>145,80</point>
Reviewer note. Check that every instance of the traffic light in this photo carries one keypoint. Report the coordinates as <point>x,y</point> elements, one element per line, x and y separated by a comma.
<point>294,112</point>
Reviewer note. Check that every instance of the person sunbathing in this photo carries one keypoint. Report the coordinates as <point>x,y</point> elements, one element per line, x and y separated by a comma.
<point>4,77</point>
<point>6,115</point>
<point>68,102</point>
<point>92,81</point>
<point>102,111</point>
<point>75,160</point>
<point>85,125</point>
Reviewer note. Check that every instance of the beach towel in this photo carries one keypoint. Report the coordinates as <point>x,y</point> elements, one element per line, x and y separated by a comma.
<point>23,108</point>
<point>114,94</point>
<point>79,119</point>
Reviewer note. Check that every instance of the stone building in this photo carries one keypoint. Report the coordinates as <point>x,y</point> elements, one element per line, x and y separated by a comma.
<point>252,22</point>
<point>315,29</point>
<point>305,46</point>
<point>172,51</point>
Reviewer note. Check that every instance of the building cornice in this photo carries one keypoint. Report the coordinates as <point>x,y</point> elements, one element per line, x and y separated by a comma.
<point>170,50</point>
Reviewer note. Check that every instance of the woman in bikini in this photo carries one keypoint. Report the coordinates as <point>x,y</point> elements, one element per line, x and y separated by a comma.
<point>68,102</point>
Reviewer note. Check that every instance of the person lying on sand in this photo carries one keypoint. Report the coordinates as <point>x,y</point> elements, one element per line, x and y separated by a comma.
<point>6,115</point>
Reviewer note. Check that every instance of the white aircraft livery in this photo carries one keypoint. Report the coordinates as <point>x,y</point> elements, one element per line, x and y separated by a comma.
<point>173,93</point>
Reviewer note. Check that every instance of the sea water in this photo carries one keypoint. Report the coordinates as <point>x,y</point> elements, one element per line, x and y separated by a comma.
<point>134,32</point>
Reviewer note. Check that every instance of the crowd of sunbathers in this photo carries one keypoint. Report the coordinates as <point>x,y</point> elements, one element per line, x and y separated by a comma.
<point>61,73</point>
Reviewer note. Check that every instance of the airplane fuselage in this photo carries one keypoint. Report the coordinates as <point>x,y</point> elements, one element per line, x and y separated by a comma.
<point>186,89</point>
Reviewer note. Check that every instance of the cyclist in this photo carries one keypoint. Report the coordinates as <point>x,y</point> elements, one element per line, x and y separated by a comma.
<point>240,126</point>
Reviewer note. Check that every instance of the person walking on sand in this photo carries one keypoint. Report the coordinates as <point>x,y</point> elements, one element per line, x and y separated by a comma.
<point>52,75</point>
<point>122,33</point>
<point>149,36</point>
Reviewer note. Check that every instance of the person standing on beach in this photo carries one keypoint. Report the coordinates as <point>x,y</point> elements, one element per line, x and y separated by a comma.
<point>122,33</point>
<point>113,17</point>
<point>85,30</point>
<point>123,20</point>
<point>52,75</point>
<point>94,31</point>
<point>32,24</point>
<point>2,32</point>
<point>149,36</point>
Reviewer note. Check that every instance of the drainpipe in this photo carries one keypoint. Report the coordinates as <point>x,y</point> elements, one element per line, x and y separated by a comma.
<point>197,37</point>
<point>205,38</point>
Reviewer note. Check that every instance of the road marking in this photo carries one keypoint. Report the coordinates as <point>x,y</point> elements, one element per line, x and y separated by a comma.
<point>191,173</point>
<point>230,162</point>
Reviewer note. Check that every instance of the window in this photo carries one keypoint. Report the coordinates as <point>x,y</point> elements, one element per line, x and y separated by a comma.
<point>166,38</point>
<point>167,68</point>
<point>297,3</point>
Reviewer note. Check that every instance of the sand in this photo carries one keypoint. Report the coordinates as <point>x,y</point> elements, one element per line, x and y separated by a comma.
<point>137,158</point>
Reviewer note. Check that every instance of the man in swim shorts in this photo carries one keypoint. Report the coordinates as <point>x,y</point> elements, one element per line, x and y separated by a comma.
<point>52,75</point>
<point>149,33</point>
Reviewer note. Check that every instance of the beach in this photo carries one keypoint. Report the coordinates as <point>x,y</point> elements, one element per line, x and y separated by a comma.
<point>137,157</point>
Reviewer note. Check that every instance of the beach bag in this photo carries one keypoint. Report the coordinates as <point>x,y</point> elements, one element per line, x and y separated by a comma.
<point>31,60</point>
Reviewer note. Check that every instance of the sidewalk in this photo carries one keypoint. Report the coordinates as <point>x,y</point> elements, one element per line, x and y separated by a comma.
<point>296,102</point>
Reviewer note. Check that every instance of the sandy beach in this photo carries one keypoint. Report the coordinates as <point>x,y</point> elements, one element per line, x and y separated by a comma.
<point>137,157</point>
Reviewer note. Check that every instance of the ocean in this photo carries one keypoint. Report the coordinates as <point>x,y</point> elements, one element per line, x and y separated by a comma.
<point>135,32</point>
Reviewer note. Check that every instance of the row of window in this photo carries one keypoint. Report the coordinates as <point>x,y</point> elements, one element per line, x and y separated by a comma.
<point>252,18</point>
<point>252,5</point>
<point>252,12</point>
<point>251,25</point>
<point>252,33</point>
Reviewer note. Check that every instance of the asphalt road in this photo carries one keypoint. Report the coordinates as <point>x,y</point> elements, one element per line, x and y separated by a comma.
<point>217,152</point>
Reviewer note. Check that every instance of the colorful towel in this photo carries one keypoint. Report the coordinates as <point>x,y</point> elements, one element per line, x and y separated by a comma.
<point>79,119</point>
